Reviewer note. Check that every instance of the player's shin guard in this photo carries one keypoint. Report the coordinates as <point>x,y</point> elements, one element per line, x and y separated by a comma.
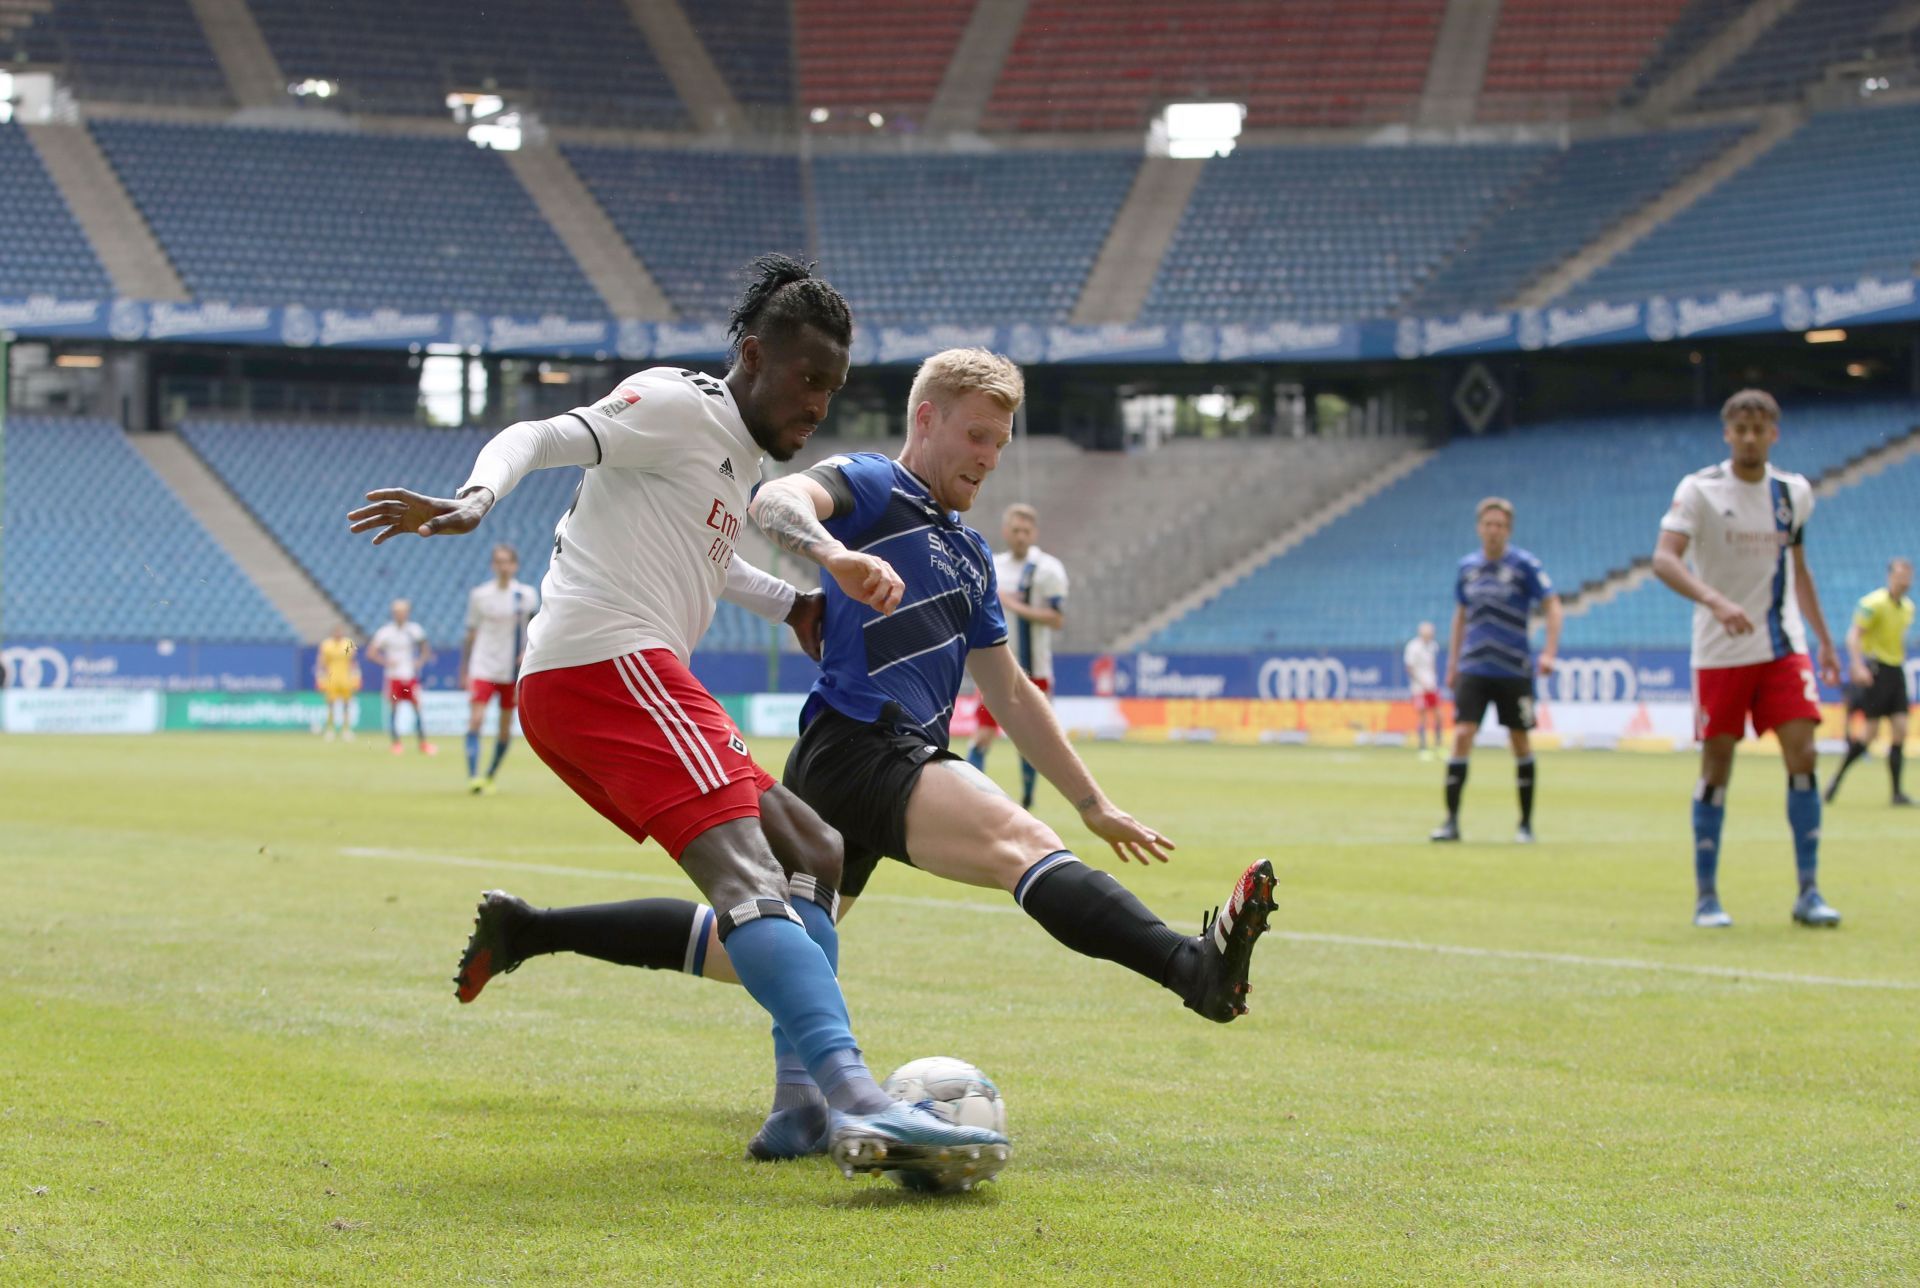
<point>1709,813</point>
<point>793,1086</point>
<point>1096,916</point>
<point>1456,783</point>
<point>1523,777</point>
<point>1803,815</point>
<point>786,973</point>
<point>473,755</point>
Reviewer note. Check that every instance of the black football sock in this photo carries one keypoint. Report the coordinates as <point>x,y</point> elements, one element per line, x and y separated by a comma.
<point>1896,761</point>
<point>1523,772</point>
<point>658,934</point>
<point>1096,916</point>
<point>1855,750</point>
<point>1456,783</point>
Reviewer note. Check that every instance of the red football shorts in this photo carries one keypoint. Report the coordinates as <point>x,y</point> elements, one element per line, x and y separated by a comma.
<point>403,690</point>
<point>483,691</point>
<point>1427,700</point>
<point>1771,692</point>
<point>985,720</point>
<point>640,740</point>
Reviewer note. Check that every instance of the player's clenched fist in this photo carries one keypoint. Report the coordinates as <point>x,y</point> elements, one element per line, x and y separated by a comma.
<point>867,579</point>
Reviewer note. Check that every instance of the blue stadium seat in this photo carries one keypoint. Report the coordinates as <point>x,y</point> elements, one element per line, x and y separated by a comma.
<point>140,567</point>
<point>45,251</point>
<point>1795,50</point>
<point>146,51</point>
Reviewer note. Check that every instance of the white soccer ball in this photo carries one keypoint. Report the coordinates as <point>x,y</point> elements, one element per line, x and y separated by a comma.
<point>957,1091</point>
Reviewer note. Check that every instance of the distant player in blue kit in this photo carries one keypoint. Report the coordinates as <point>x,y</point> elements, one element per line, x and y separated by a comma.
<point>873,760</point>
<point>1490,659</point>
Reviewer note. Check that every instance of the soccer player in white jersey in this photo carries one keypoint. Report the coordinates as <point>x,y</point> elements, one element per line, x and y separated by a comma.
<point>497,614</point>
<point>401,648</point>
<point>1744,524</point>
<point>1421,658</point>
<point>671,458</point>
<point>1033,592</point>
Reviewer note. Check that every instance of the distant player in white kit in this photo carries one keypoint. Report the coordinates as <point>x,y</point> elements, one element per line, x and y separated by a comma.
<point>1033,593</point>
<point>400,648</point>
<point>497,614</point>
<point>1744,524</point>
<point>1422,660</point>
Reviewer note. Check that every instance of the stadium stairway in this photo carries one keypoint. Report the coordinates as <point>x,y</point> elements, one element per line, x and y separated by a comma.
<point>686,62</point>
<point>1459,64</point>
<point>268,566</point>
<point>974,69</point>
<point>1137,241</point>
<point>114,226</point>
<point>1778,125</point>
<point>1684,81</point>
<point>585,229</point>
<point>254,78</point>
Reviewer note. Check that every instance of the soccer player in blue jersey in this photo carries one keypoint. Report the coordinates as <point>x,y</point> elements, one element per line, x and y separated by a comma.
<point>873,761</point>
<point>1490,659</point>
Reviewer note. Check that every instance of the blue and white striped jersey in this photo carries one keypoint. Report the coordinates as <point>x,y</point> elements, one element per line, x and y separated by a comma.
<point>1499,596</point>
<point>916,655</point>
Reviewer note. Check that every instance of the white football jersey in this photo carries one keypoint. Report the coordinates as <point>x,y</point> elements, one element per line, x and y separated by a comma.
<point>1039,580</point>
<point>400,646</point>
<point>1739,539</point>
<point>641,555</point>
<point>1421,658</point>
<point>497,615</point>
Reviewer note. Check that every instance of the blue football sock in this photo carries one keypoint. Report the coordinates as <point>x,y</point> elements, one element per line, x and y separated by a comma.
<point>786,973</point>
<point>1803,814</point>
<point>810,901</point>
<point>500,746</point>
<point>1709,812</point>
<point>1028,777</point>
<point>473,755</point>
<point>977,757</point>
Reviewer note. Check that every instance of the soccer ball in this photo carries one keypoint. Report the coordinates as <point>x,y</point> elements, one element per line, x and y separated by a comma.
<point>954,1090</point>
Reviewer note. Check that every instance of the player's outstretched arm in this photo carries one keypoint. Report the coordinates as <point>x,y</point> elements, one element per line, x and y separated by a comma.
<point>508,457</point>
<point>394,511</point>
<point>1024,712</point>
<point>1808,597</point>
<point>789,511</point>
<point>1670,566</point>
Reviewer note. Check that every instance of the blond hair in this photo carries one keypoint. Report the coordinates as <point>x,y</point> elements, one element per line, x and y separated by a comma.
<point>1499,503</point>
<point>954,373</point>
<point>1021,510</point>
<point>1758,400</point>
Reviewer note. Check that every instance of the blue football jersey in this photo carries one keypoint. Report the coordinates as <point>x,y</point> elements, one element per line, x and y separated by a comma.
<point>1499,596</point>
<point>916,655</point>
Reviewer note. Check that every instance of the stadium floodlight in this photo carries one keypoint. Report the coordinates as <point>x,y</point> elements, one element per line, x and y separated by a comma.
<point>313,88</point>
<point>1196,129</point>
<point>819,115</point>
<point>6,97</point>
<point>1832,335</point>
<point>876,120</point>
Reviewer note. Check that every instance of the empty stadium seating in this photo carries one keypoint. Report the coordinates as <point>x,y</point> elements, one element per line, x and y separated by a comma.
<point>856,57</point>
<point>1795,50</point>
<point>966,238</point>
<point>45,250</point>
<point>751,42</point>
<point>1795,215</point>
<point>1329,233</point>
<point>1557,58</point>
<point>584,63</point>
<point>147,51</point>
<point>1369,578</point>
<point>1573,199</point>
<point>305,509</point>
<point>1110,64</point>
<point>135,566</point>
<point>1698,22</point>
<point>344,220</point>
<point>694,218</point>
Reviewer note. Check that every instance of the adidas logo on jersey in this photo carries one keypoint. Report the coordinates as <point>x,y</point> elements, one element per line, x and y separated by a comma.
<point>726,467</point>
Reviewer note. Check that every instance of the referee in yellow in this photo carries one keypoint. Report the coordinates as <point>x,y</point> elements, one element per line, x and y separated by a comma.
<point>1877,645</point>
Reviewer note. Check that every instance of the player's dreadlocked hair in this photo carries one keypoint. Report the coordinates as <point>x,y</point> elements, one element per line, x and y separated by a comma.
<point>783,295</point>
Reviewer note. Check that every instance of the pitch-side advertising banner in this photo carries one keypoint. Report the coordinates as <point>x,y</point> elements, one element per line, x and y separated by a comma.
<point>80,711</point>
<point>171,666</point>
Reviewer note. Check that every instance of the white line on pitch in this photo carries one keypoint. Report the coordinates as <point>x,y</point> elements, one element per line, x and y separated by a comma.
<point>1296,936</point>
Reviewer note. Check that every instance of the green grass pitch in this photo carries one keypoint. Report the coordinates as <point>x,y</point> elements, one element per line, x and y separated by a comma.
<point>229,1048</point>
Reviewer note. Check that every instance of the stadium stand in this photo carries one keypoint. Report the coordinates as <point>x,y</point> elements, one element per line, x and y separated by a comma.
<point>588,65</point>
<point>304,510</point>
<point>856,57</point>
<point>966,239</point>
<point>1110,64</point>
<point>1795,51</point>
<point>1326,234</point>
<point>331,220</point>
<point>46,250</point>
<point>694,218</point>
<point>751,42</point>
<point>148,571</point>
<point>1794,215</point>
<point>1699,22</point>
<point>145,51</point>
<point>1569,202</point>
<point>1306,599</point>
<point>1559,59</point>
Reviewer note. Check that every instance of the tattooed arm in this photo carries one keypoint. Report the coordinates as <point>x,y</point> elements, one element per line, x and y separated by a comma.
<point>789,511</point>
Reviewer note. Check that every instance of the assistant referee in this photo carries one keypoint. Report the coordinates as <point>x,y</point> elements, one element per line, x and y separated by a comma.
<point>1877,645</point>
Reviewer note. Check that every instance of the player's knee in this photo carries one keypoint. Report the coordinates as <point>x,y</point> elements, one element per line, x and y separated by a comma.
<point>819,852</point>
